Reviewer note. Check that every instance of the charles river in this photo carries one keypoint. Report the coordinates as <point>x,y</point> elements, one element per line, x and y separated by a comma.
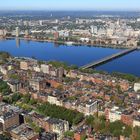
<point>77,55</point>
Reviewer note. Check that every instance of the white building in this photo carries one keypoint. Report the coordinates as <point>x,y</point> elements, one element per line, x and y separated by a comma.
<point>58,126</point>
<point>138,20</point>
<point>110,32</point>
<point>114,114</point>
<point>17,31</point>
<point>94,30</point>
<point>136,87</point>
<point>54,100</point>
<point>64,33</point>
<point>84,39</point>
<point>88,108</point>
<point>45,68</point>
<point>136,121</point>
<point>3,70</point>
<point>91,107</point>
<point>101,32</point>
<point>3,32</point>
<point>36,68</point>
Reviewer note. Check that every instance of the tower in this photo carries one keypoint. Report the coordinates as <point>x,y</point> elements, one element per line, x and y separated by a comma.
<point>17,31</point>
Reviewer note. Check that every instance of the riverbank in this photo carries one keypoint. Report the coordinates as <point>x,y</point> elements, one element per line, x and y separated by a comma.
<point>70,43</point>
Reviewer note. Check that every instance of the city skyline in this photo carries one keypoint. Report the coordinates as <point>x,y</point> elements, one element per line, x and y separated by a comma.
<point>70,5</point>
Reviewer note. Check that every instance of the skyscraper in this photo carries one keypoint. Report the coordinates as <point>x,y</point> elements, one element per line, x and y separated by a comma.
<point>94,30</point>
<point>17,31</point>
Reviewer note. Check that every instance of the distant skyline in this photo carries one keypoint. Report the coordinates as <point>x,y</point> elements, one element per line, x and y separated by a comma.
<point>132,5</point>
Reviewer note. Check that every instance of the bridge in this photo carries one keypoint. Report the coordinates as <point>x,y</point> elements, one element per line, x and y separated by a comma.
<point>108,58</point>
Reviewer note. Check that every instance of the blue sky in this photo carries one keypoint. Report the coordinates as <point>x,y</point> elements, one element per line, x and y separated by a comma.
<point>69,4</point>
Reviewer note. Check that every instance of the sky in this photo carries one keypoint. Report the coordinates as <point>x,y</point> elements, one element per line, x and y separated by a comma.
<point>70,5</point>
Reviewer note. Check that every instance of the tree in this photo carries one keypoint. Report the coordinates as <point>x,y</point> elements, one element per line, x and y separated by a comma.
<point>4,88</point>
<point>136,133</point>
<point>73,117</point>
<point>117,128</point>
<point>3,137</point>
<point>69,134</point>
<point>26,98</point>
<point>14,76</point>
<point>90,120</point>
<point>4,55</point>
<point>15,97</point>
<point>127,131</point>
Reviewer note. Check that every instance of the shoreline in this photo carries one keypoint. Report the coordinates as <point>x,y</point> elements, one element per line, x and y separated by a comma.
<point>94,70</point>
<point>67,43</point>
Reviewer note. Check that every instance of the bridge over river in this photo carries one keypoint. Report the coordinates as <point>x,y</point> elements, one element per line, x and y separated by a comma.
<point>108,58</point>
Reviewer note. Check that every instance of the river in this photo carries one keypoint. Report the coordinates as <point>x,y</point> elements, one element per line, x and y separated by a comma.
<point>77,55</point>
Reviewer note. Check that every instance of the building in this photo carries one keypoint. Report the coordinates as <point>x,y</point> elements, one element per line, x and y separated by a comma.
<point>88,108</point>
<point>53,99</point>
<point>26,33</point>
<point>36,84</point>
<point>57,126</point>
<point>114,114</point>
<point>8,119</point>
<point>127,117</point>
<point>91,107</point>
<point>24,65</point>
<point>45,68</point>
<point>136,87</point>
<point>36,68</point>
<point>136,121</point>
<point>84,39</point>
<point>60,72</point>
<point>48,136</point>
<point>24,132</point>
<point>3,33</point>
<point>94,30</point>
<point>110,32</point>
<point>17,31</point>
<point>64,33</point>
<point>4,70</point>
<point>14,85</point>
<point>56,35</point>
<point>51,125</point>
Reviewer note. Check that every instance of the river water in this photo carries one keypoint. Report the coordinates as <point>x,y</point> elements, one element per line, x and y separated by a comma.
<point>78,55</point>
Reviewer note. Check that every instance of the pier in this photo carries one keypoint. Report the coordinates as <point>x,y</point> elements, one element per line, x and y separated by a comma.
<point>108,58</point>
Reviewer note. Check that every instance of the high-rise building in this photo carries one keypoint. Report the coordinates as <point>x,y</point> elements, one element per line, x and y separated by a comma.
<point>94,30</point>
<point>40,22</point>
<point>17,31</point>
<point>56,35</point>
<point>60,72</point>
<point>26,23</point>
<point>26,32</point>
<point>3,32</point>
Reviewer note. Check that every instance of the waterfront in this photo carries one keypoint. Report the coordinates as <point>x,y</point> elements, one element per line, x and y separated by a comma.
<point>73,54</point>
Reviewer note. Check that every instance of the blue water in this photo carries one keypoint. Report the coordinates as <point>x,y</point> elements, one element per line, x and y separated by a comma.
<point>129,63</point>
<point>78,55</point>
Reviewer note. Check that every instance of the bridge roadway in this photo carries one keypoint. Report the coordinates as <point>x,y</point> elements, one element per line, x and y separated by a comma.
<point>108,58</point>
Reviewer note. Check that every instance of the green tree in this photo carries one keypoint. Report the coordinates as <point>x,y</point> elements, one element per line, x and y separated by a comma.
<point>73,117</point>
<point>90,120</point>
<point>69,134</point>
<point>136,133</point>
<point>4,88</point>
